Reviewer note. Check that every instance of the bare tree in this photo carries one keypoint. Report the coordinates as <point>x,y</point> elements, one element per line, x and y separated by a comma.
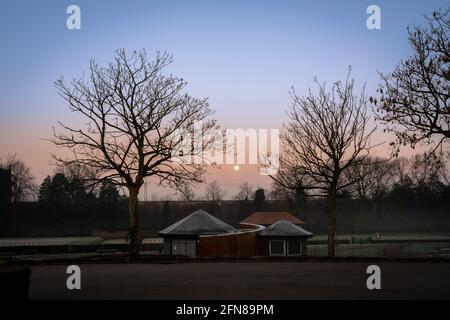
<point>420,173</point>
<point>277,192</point>
<point>245,191</point>
<point>372,178</point>
<point>326,135</point>
<point>414,101</point>
<point>186,193</point>
<point>80,177</point>
<point>214,192</point>
<point>133,112</point>
<point>23,185</point>
<point>400,172</point>
<point>426,171</point>
<point>290,179</point>
<point>73,171</point>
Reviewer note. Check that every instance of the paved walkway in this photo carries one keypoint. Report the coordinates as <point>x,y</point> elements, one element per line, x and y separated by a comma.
<point>244,280</point>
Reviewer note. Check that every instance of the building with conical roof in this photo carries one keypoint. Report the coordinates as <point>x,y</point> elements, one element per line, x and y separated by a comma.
<point>283,238</point>
<point>181,238</point>
<point>200,233</point>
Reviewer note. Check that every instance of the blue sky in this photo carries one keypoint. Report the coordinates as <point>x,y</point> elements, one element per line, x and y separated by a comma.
<point>243,55</point>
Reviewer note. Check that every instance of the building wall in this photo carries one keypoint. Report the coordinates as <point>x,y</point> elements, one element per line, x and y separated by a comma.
<point>236,245</point>
<point>240,244</point>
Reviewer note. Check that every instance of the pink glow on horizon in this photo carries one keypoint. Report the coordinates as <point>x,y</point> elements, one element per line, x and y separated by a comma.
<point>26,141</point>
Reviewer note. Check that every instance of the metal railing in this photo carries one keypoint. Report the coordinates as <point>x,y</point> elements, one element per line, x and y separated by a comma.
<point>352,248</point>
<point>74,250</point>
<point>419,248</point>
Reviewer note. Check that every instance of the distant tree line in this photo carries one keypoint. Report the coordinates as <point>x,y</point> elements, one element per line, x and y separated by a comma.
<point>62,189</point>
<point>378,177</point>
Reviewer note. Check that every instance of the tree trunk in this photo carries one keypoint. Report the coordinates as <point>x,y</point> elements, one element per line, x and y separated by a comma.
<point>332,226</point>
<point>133,227</point>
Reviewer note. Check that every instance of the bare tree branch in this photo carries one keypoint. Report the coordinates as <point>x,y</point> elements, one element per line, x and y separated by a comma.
<point>414,98</point>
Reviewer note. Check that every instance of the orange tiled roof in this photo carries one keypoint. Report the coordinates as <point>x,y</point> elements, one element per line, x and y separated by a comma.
<point>268,217</point>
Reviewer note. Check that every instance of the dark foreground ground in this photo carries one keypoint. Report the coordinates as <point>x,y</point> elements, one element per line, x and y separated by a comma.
<point>244,280</point>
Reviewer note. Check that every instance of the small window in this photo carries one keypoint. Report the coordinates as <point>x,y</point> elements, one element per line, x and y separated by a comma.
<point>294,247</point>
<point>277,248</point>
<point>184,247</point>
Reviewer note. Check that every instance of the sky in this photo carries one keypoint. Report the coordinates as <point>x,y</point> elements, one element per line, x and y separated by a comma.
<point>244,56</point>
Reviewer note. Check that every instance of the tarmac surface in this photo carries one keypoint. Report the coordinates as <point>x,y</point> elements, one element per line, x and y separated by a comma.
<point>244,280</point>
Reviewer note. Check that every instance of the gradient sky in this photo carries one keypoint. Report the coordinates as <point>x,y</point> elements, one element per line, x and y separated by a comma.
<point>243,55</point>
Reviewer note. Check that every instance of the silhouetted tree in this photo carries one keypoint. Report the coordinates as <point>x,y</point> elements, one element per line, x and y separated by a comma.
<point>22,181</point>
<point>290,175</point>
<point>289,183</point>
<point>55,190</point>
<point>371,178</point>
<point>135,116</point>
<point>44,191</point>
<point>108,192</point>
<point>186,192</point>
<point>327,134</point>
<point>400,172</point>
<point>245,192</point>
<point>427,171</point>
<point>214,194</point>
<point>277,192</point>
<point>414,102</point>
<point>61,190</point>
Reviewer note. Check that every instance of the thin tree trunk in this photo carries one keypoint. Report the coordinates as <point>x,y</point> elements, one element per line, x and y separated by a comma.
<point>133,227</point>
<point>332,226</point>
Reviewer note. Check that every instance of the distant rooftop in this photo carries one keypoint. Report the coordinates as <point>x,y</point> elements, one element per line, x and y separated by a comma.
<point>198,222</point>
<point>270,217</point>
<point>284,228</point>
